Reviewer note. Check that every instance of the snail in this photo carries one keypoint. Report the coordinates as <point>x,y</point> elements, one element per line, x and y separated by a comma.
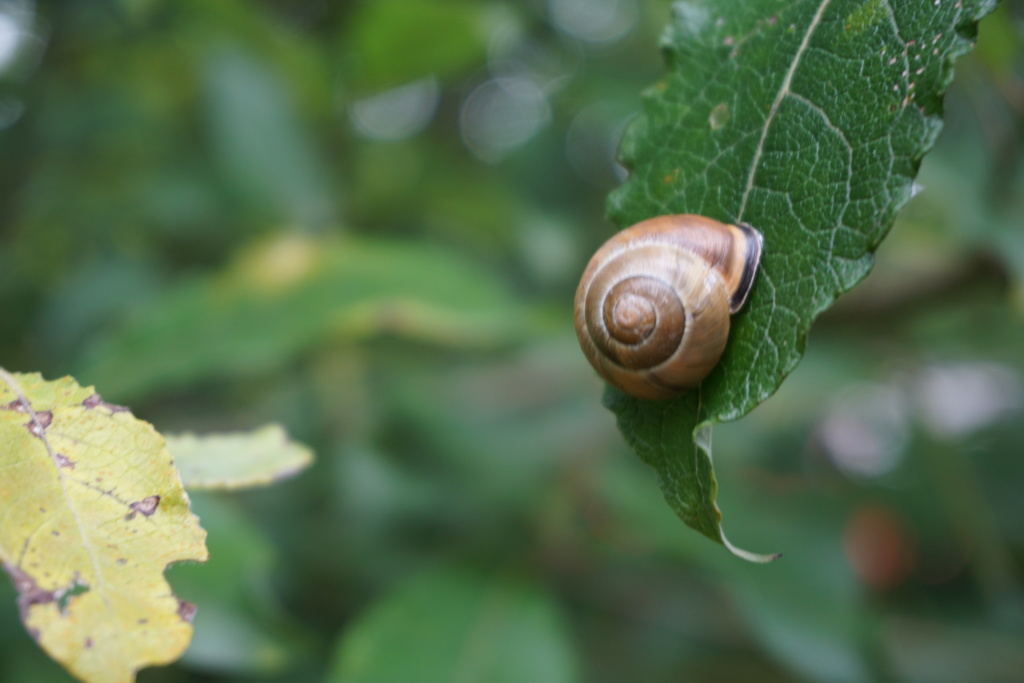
<point>653,306</point>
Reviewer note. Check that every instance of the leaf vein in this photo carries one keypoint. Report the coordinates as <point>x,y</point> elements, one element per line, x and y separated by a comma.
<point>783,91</point>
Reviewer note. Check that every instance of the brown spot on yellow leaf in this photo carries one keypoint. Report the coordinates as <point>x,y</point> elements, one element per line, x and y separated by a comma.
<point>186,610</point>
<point>39,422</point>
<point>29,592</point>
<point>96,401</point>
<point>147,506</point>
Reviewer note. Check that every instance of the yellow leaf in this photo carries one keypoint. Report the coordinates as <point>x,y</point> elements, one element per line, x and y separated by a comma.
<point>237,460</point>
<point>91,513</point>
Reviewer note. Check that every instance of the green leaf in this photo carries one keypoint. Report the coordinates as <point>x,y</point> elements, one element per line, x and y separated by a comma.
<point>262,144</point>
<point>450,625</point>
<point>238,460</point>
<point>396,41</point>
<point>280,298</point>
<point>91,513</point>
<point>807,120</point>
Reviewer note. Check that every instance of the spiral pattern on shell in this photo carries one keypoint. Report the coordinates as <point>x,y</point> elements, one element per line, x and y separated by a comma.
<point>653,306</point>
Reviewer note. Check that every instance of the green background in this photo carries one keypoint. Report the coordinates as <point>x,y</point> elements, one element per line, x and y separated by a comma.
<point>450,161</point>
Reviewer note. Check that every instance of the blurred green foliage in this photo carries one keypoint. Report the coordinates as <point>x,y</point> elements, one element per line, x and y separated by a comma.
<point>175,175</point>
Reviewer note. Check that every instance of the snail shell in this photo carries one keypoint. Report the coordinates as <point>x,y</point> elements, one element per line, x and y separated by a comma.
<point>653,306</point>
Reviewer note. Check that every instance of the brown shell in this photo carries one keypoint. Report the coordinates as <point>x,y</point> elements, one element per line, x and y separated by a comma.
<point>653,306</point>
